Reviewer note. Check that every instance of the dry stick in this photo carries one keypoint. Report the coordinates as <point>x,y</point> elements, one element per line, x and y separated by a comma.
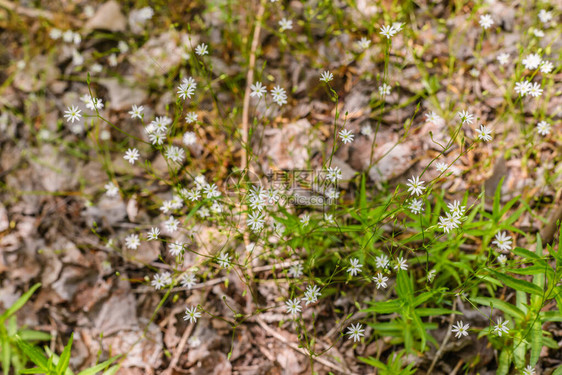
<point>28,12</point>
<point>37,13</point>
<point>295,347</point>
<point>445,340</point>
<point>245,140</point>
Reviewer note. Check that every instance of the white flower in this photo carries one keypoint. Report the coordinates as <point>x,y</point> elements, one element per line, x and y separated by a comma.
<point>543,128</point>
<point>546,67</point>
<point>364,43</point>
<point>416,206</point>
<point>224,260</point>
<point>111,189</point>
<point>486,21</point>
<point>503,58</point>
<point>191,314</point>
<point>545,16</point>
<point>397,26</point>
<point>175,154</point>
<point>450,222</point>
<point>535,90</point>
<point>159,281</point>
<point>333,174</point>
<point>529,370</point>
<point>296,270</point>
<point>332,194</point>
<point>388,31</point>
<point>380,280</point>
<point>326,76</point>
<point>188,280</point>
<point>132,241</point>
<point>502,259</point>
<point>77,58</point>
<point>72,114</point>
<point>441,167</point>
<point>346,136</point>
<point>311,294</point>
<point>55,34</point>
<point>532,61</point>
<point>279,95</point>
<point>92,103</point>
<point>456,208</point>
<point>191,117</point>
<point>258,90</point>
<point>136,111</point>
<point>193,195</point>
<point>329,218</point>
<point>431,275</point>
<point>157,138</point>
<point>203,212</point>
<point>382,261</point>
<point>355,332</point>
<point>176,248</point>
<point>366,130</point>
<point>401,264</point>
<point>202,49</point>
<point>384,89</point>
<point>212,191</point>
<point>466,117</point>
<point>185,91</point>
<point>123,46</point>
<point>131,155</point>
<point>523,87</point>
<point>484,133</point>
<point>216,207</point>
<point>200,182</point>
<point>433,118</point>
<point>293,306</point>
<point>415,186</point>
<point>153,234</point>
<point>172,224</point>
<point>461,329</point>
<point>502,241</point>
<point>538,33</point>
<point>355,267</point>
<point>305,219</point>
<point>501,327</point>
<point>189,138</point>
<point>285,24</point>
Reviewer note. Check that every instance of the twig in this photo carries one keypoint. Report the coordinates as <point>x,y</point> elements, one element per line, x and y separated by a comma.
<point>28,12</point>
<point>245,136</point>
<point>276,335</point>
<point>445,340</point>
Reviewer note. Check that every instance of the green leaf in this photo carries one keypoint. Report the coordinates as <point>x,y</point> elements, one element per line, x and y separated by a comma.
<point>6,351</point>
<point>558,370</point>
<point>99,367</point>
<point>516,284</point>
<point>30,335</point>
<point>386,307</point>
<point>404,287</point>
<point>503,365</point>
<point>495,303</point>
<point>35,370</point>
<point>34,354</point>
<point>373,362</point>
<point>64,359</point>
<point>536,342</point>
<point>112,370</point>
<point>19,303</point>
<point>550,316</point>
<point>436,311</point>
